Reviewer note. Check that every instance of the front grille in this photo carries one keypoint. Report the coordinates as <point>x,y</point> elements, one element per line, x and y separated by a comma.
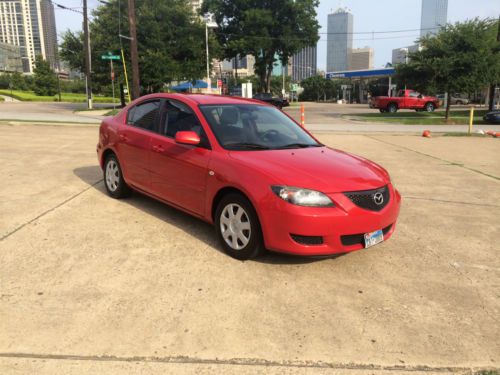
<point>307,240</point>
<point>373,200</point>
<point>359,239</point>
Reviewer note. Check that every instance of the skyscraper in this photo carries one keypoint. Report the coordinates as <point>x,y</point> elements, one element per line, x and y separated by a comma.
<point>31,25</point>
<point>339,40</point>
<point>304,64</point>
<point>434,15</point>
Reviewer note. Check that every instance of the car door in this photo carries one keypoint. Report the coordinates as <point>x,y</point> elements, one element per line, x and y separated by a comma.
<point>179,172</point>
<point>412,100</point>
<point>135,142</point>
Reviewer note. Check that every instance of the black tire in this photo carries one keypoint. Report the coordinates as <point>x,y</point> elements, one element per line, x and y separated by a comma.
<point>429,107</point>
<point>114,182</point>
<point>254,246</point>
<point>392,108</point>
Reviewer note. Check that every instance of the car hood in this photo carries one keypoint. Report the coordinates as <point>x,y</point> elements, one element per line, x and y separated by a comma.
<point>318,168</point>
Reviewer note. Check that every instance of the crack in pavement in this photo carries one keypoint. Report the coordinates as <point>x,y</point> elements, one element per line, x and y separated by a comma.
<point>248,362</point>
<point>49,210</point>
<point>435,157</point>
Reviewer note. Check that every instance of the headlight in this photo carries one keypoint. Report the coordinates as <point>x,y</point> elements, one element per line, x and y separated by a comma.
<point>302,197</point>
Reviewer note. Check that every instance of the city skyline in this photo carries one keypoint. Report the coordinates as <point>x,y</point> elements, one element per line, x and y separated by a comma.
<point>384,15</point>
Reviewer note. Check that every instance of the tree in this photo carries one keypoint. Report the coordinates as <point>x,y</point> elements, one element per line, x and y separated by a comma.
<point>269,30</point>
<point>171,41</point>
<point>45,80</point>
<point>319,88</point>
<point>460,58</point>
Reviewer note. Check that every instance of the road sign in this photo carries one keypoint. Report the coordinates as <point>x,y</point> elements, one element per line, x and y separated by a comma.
<point>110,56</point>
<point>295,87</point>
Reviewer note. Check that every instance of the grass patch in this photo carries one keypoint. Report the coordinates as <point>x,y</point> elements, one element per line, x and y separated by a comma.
<point>2,99</point>
<point>30,96</point>
<point>113,112</point>
<point>460,117</point>
<point>488,372</point>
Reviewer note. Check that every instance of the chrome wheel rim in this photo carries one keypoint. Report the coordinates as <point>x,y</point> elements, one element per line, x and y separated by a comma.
<point>235,226</point>
<point>112,175</point>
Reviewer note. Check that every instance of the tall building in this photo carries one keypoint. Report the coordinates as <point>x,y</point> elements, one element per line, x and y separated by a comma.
<point>339,40</point>
<point>31,25</point>
<point>434,15</point>
<point>10,58</point>
<point>304,64</point>
<point>362,58</point>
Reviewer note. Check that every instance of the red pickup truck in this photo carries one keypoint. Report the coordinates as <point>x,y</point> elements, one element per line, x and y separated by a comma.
<point>406,99</point>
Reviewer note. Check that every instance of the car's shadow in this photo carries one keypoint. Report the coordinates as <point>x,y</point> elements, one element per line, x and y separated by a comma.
<point>92,175</point>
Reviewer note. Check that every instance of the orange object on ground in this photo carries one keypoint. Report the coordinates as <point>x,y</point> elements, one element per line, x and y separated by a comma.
<point>426,134</point>
<point>302,115</point>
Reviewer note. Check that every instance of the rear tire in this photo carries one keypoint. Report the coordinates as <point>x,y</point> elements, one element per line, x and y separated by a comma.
<point>392,108</point>
<point>238,227</point>
<point>429,107</point>
<point>113,178</point>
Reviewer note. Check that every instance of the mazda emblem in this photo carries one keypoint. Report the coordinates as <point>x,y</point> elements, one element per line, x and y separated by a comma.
<point>378,198</point>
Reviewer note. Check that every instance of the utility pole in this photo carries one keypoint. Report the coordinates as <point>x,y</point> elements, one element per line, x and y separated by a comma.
<point>133,50</point>
<point>88,69</point>
<point>493,86</point>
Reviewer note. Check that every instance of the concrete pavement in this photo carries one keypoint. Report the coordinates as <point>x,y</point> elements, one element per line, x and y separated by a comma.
<point>89,284</point>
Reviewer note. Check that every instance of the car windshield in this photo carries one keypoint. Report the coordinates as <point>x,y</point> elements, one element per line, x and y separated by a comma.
<point>255,127</point>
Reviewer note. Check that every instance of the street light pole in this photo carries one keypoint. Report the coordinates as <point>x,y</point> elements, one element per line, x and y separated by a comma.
<point>88,69</point>
<point>134,56</point>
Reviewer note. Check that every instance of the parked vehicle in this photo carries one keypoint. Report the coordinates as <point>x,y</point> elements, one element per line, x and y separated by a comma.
<point>406,99</point>
<point>270,99</point>
<point>492,117</point>
<point>249,169</point>
<point>454,100</point>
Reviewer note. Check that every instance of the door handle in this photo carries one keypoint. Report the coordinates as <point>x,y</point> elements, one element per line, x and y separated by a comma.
<point>123,137</point>
<point>158,148</point>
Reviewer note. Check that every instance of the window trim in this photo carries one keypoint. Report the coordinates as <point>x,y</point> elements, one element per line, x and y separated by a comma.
<point>156,120</point>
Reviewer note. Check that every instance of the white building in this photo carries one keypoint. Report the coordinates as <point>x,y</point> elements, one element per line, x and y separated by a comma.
<point>401,55</point>
<point>339,40</point>
<point>434,15</point>
<point>30,24</point>
<point>362,58</point>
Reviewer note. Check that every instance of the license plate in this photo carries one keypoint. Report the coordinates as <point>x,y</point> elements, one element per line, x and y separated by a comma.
<point>373,238</point>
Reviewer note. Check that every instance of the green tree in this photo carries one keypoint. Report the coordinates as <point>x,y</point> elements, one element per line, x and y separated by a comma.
<point>319,88</point>
<point>269,30</point>
<point>171,42</point>
<point>460,58</point>
<point>45,80</point>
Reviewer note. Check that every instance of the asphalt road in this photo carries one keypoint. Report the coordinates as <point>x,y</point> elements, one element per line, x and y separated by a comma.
<point>89,284</point>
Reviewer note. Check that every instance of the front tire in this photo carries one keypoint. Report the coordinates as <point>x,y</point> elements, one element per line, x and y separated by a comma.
<point>429,107</point>
<point>113,178</point>
<point>238,227</point>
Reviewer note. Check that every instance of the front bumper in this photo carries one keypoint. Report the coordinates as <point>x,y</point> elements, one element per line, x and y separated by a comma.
<point>340,227</point>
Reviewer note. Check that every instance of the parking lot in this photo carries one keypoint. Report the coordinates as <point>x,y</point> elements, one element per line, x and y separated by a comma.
<point>93,284</point>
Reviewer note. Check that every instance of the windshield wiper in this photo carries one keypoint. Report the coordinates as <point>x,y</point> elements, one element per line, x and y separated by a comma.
<point>255,146</point>
<point>298,145</point>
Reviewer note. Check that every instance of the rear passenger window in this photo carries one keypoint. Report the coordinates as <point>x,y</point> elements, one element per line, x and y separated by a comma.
<point>144,115</point>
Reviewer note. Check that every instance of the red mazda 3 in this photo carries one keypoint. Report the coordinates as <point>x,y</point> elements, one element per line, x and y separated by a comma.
<point>252,171</point>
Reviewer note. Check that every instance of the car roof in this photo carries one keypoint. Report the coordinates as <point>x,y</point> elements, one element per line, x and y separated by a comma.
<point>205,98</point>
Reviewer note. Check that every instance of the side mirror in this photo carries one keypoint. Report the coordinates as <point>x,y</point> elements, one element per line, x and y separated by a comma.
<point>187,138</point>
<point>420,96</point>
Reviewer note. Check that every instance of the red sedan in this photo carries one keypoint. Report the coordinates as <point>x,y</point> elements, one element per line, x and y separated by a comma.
<point>248,168</point>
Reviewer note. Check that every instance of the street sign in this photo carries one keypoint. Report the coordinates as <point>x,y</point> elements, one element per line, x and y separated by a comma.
<point>295,87</point>
<point>110,56</point>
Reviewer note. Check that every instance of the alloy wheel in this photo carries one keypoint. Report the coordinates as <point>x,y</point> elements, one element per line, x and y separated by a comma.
<point>112,175</point>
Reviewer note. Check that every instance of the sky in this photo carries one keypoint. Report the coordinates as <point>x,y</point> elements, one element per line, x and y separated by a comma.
<point>369,16</point>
